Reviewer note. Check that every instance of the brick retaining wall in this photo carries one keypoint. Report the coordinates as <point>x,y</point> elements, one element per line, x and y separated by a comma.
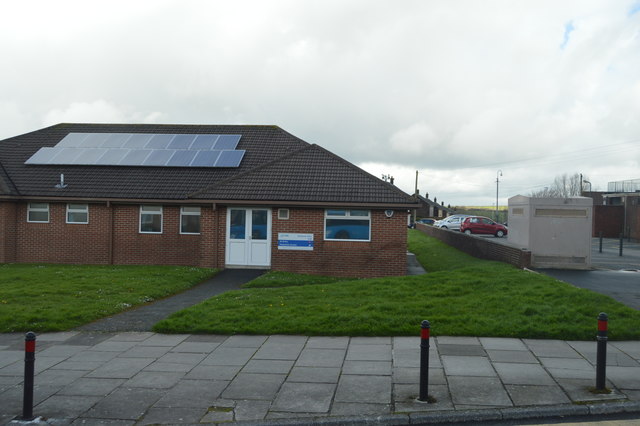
<point>479,247</point>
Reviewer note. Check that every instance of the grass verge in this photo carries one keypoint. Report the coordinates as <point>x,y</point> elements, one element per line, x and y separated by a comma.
<point>287,279</point>
<point>48,297</point>
<point>461,296</point>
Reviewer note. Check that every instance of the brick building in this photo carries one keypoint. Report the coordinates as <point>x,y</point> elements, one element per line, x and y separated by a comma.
<point>209,196</point>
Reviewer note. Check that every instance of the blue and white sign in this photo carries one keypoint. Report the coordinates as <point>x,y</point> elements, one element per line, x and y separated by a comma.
<point>295,241</point>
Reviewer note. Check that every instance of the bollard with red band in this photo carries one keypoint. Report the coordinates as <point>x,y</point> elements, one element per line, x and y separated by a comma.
<point>424,360</point>
<point>29,363</point>
<point>601,357</point>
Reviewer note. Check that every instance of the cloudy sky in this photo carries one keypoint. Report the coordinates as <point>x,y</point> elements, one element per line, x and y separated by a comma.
<point>458,90</point>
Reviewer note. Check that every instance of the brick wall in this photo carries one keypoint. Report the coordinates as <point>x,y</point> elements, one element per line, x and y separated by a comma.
<point>168,248</point>
<point>61,242</point>
<point>482,248</point>
<point>609,220</point>
<point>7,232</point>
<point>384,255</point>
<point>112,237</point>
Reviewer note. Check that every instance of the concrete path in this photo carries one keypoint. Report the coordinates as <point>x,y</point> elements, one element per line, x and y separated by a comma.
<point>144,317</point>
<point>147,378</point>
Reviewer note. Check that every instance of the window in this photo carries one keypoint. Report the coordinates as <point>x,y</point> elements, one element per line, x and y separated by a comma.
<point>347,225</point>
<point>77,213</point>
<point>38,212</point>
<point>190,220</point>
<point>283,214</point>
<point>151,219</point>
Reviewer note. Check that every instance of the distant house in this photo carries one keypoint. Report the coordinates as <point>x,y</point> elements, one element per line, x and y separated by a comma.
<point>221,196</point>
<point>429,208</point>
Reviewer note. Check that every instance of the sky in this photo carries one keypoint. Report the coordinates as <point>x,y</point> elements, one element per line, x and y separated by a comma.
<point>463,92</point>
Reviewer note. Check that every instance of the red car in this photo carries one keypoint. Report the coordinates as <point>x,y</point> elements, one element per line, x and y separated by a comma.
<point>482,225</point>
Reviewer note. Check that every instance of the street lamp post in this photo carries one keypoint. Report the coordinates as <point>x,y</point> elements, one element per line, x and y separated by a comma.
<point>498,174</point>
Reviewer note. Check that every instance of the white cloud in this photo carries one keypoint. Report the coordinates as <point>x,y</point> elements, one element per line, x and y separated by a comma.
<point>456,90</point>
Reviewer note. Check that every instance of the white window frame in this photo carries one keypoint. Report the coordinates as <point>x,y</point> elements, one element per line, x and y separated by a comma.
<point>84,210</point>
<point>150,212</point>
<point>283,214</point>
<point>346,216</point>
<point>184,213</point>
<point>31,208</point>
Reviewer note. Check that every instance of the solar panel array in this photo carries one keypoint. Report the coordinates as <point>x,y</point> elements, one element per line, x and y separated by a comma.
<point>142,149</point>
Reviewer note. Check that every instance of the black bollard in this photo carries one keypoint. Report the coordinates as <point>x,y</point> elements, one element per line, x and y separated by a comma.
<point>424,361</point>
<point>600,251</point>
<point>601,358</point>
<point>621,238</point>
<point>29,363</point>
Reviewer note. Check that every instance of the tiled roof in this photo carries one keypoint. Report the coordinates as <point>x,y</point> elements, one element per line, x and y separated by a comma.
<point>277,166</point>
<point>310,174</point>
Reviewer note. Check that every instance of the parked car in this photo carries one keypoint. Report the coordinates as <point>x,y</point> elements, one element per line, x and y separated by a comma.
<point>426,221</point>
<point>482,225</point>
<point>451,222</point>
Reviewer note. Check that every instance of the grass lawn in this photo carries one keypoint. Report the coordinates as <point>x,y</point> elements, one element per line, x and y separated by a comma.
<point>460,296</point>
<point>48,297</point>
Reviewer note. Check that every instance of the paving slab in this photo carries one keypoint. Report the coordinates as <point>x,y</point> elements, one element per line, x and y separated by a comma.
<point>304,397</point>
<point>254,386</point>
<point>321,357</point>
<point>528,395</point>
<point>522,374</point>
<point>478,391</point>
<point>193,393</point>
<point>125,404</point>
<point>512,356</point>
<point>406,398</point>
<point>145,378</point>
<point>91,387</point>
<point>467,366</point>
<point>314,374</point>
<point>368,389</point>
<point>369,352</point>
<point>173,415</point>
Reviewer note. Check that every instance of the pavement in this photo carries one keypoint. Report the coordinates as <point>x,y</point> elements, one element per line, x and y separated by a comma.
<point>147,378</point>
<point>100,374</point>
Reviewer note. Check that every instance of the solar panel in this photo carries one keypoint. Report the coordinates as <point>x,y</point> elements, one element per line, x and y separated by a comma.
<point>72,139</point>
<point>137,140</point>
<point>94,140</point>
<point>159,141</point>
<point>204,142</point>
<point>181,142</point>
<point>205,159</point>
<point>135,157</point>
<point>229,159</point>
<point>227,142</point>
<point>158,157</point>
<point>89,156</point>
<point>65,156</point>
<point>181,158</point>
<point>112,157</point>
<point>116,140</point>
<point>42,156</point>
<point>142,149</point>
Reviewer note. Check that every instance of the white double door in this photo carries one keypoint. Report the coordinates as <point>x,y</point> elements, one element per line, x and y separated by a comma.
<point>248,237</point>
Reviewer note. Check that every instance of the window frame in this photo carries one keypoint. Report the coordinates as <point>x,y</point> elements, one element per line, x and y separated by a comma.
<point>184,213</point>
<point>76,210</point>
<point>160,213</point>
<point>347,215</point>
<point>31,209</point>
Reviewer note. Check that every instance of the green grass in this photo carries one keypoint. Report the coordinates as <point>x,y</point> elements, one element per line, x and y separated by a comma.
<point>48,297</point>
<point>287,279</point>
<point>460,296</point>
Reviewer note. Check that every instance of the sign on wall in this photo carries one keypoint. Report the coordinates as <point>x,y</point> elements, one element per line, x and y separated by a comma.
<point>288,241</point>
